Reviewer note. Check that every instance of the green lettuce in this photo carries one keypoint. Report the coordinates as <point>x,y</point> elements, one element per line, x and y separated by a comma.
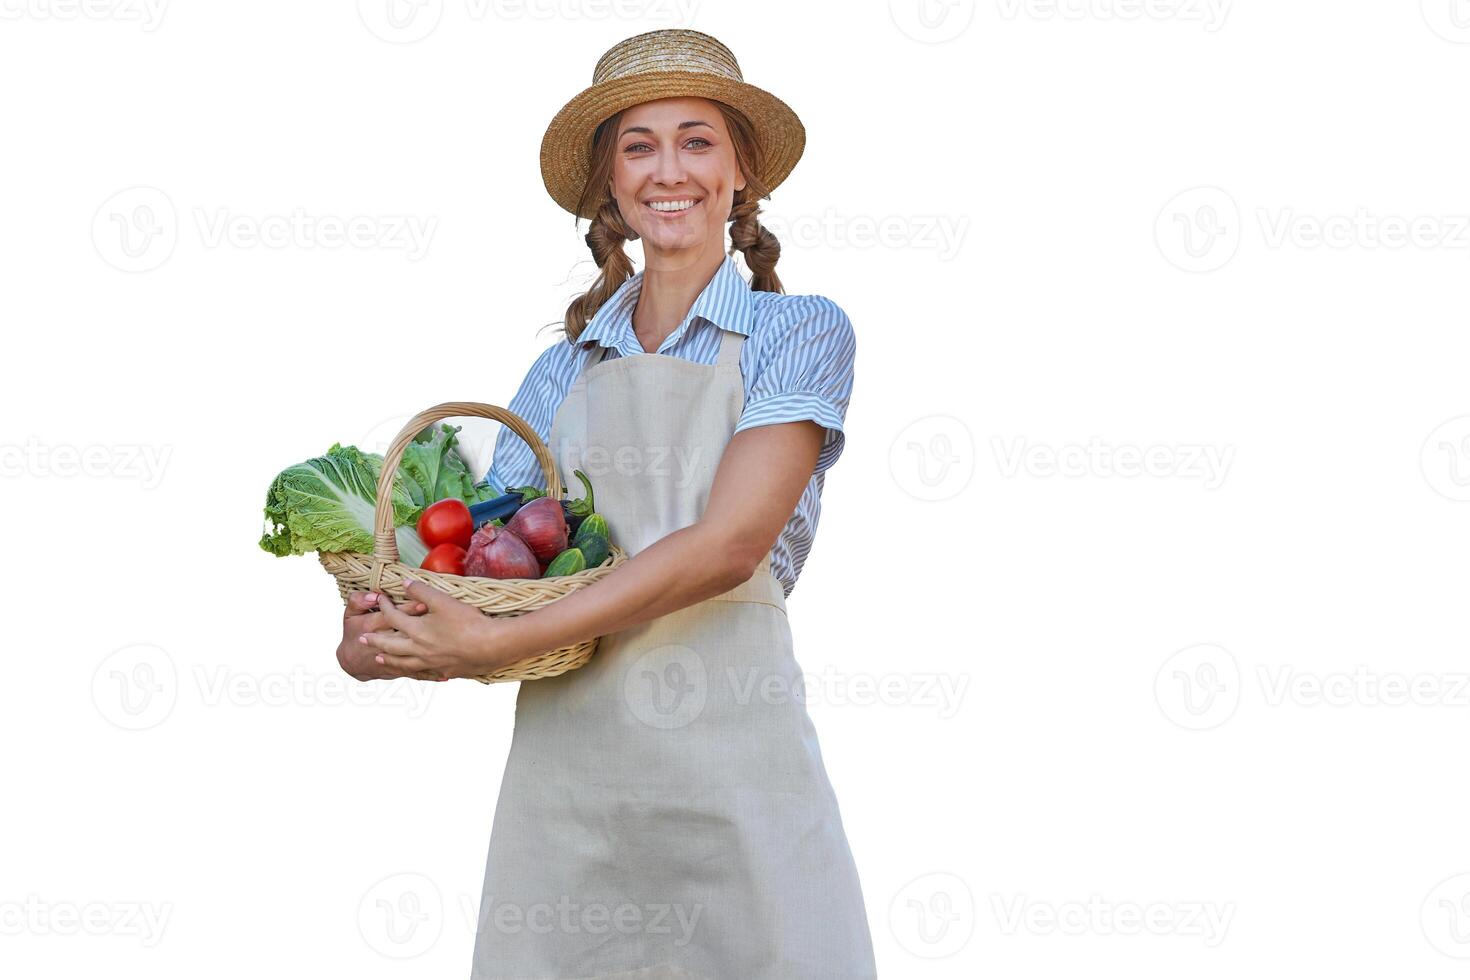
<point>326,504</point>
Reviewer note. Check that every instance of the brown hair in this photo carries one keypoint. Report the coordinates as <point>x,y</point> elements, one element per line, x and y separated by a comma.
<point>609,231</point>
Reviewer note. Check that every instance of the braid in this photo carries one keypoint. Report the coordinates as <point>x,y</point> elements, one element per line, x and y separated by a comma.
<point>760,247</point>
<point>605,238</point>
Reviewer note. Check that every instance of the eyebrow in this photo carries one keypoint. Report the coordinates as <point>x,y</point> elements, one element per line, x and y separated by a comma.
<point>645,129</point>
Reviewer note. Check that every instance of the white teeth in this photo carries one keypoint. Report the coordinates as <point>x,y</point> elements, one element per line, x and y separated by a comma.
<point>671,205</point>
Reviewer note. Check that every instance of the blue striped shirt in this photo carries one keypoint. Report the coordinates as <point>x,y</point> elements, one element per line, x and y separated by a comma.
<point>797,363</point>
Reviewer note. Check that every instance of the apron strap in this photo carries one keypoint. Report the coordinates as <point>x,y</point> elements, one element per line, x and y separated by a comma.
<point>728,359</point>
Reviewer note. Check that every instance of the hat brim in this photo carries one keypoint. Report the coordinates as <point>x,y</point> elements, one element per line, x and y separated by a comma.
<point>566,147</point>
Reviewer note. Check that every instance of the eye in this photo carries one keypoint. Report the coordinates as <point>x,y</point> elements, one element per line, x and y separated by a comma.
<point>633,147</point>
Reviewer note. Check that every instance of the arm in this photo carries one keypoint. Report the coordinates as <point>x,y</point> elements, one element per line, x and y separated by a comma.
<point>791,428</point>
<point>756,489</point>
<point>760,479</point>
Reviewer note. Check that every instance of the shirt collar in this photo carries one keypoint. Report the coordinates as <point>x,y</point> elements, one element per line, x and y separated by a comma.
<point>726,302</point>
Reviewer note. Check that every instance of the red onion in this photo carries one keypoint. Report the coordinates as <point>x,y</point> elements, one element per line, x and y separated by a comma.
<point>542,524</point>
<point>498,552</point>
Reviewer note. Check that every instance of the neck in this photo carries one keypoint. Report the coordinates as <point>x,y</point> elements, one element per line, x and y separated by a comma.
<point>671,284</point>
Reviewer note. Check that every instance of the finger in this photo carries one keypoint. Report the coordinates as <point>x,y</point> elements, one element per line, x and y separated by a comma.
<point>388,643</point>
<point>363,603</point>
<point>407,664</point>
<point>374,621</point>
<point>396,617</point>
<point>359,603</point>
<point>427,594</point>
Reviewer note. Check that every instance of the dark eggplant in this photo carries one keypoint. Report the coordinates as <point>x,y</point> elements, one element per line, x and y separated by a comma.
<point>505,506</point>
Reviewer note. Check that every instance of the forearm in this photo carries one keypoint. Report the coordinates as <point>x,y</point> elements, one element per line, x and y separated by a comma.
<point>680,569</point>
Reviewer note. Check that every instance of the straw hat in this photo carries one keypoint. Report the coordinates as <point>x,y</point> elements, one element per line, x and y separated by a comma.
<point>659,65</point>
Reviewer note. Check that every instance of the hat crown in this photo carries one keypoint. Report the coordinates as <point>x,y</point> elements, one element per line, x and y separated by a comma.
<point>673,49</point>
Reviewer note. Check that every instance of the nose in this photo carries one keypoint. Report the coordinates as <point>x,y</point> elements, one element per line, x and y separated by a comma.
<point>669,168</point>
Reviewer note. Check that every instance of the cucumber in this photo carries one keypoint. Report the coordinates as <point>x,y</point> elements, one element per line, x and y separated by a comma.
<point>592,539</point>
<point>568,562</point>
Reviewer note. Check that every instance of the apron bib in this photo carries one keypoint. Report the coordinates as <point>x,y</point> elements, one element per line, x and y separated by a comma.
<point>664,812</point>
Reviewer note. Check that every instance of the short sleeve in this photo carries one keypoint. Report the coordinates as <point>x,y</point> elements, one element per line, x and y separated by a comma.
<point>514,465</point>
<point>808,374</point>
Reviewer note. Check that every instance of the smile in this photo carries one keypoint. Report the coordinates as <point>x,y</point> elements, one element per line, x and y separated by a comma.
<point>671,207</point>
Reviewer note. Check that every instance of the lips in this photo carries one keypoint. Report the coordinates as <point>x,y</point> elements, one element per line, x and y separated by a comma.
<point>697,202</point>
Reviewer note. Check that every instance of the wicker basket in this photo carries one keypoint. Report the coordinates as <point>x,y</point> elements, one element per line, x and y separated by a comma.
<point>383,572</point>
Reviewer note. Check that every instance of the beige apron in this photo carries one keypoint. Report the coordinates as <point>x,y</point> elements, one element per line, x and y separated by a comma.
<point>664,812</point>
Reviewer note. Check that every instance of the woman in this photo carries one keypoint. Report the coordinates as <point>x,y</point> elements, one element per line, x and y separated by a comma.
<point>663,813</point>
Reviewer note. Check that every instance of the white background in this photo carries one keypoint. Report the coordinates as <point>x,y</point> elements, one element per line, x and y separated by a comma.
<point>1206,718</point>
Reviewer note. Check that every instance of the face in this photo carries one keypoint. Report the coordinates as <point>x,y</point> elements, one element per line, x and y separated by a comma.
<point>675,150</point>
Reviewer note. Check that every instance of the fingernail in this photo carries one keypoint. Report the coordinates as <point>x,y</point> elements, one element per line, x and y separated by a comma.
<point>362,638</point>
<point>379,658</point>
<point>370,597</point>
<point>407,582</point>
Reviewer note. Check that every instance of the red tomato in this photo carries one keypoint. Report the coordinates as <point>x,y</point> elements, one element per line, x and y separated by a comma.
<point>448,521</point>
<point>447,558</point>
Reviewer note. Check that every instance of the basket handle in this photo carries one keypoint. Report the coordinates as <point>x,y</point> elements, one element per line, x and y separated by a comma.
<point>385,546</point>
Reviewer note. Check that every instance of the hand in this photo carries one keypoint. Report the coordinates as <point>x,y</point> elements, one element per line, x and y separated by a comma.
<point>361,616</point>
<point>450,639</point>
